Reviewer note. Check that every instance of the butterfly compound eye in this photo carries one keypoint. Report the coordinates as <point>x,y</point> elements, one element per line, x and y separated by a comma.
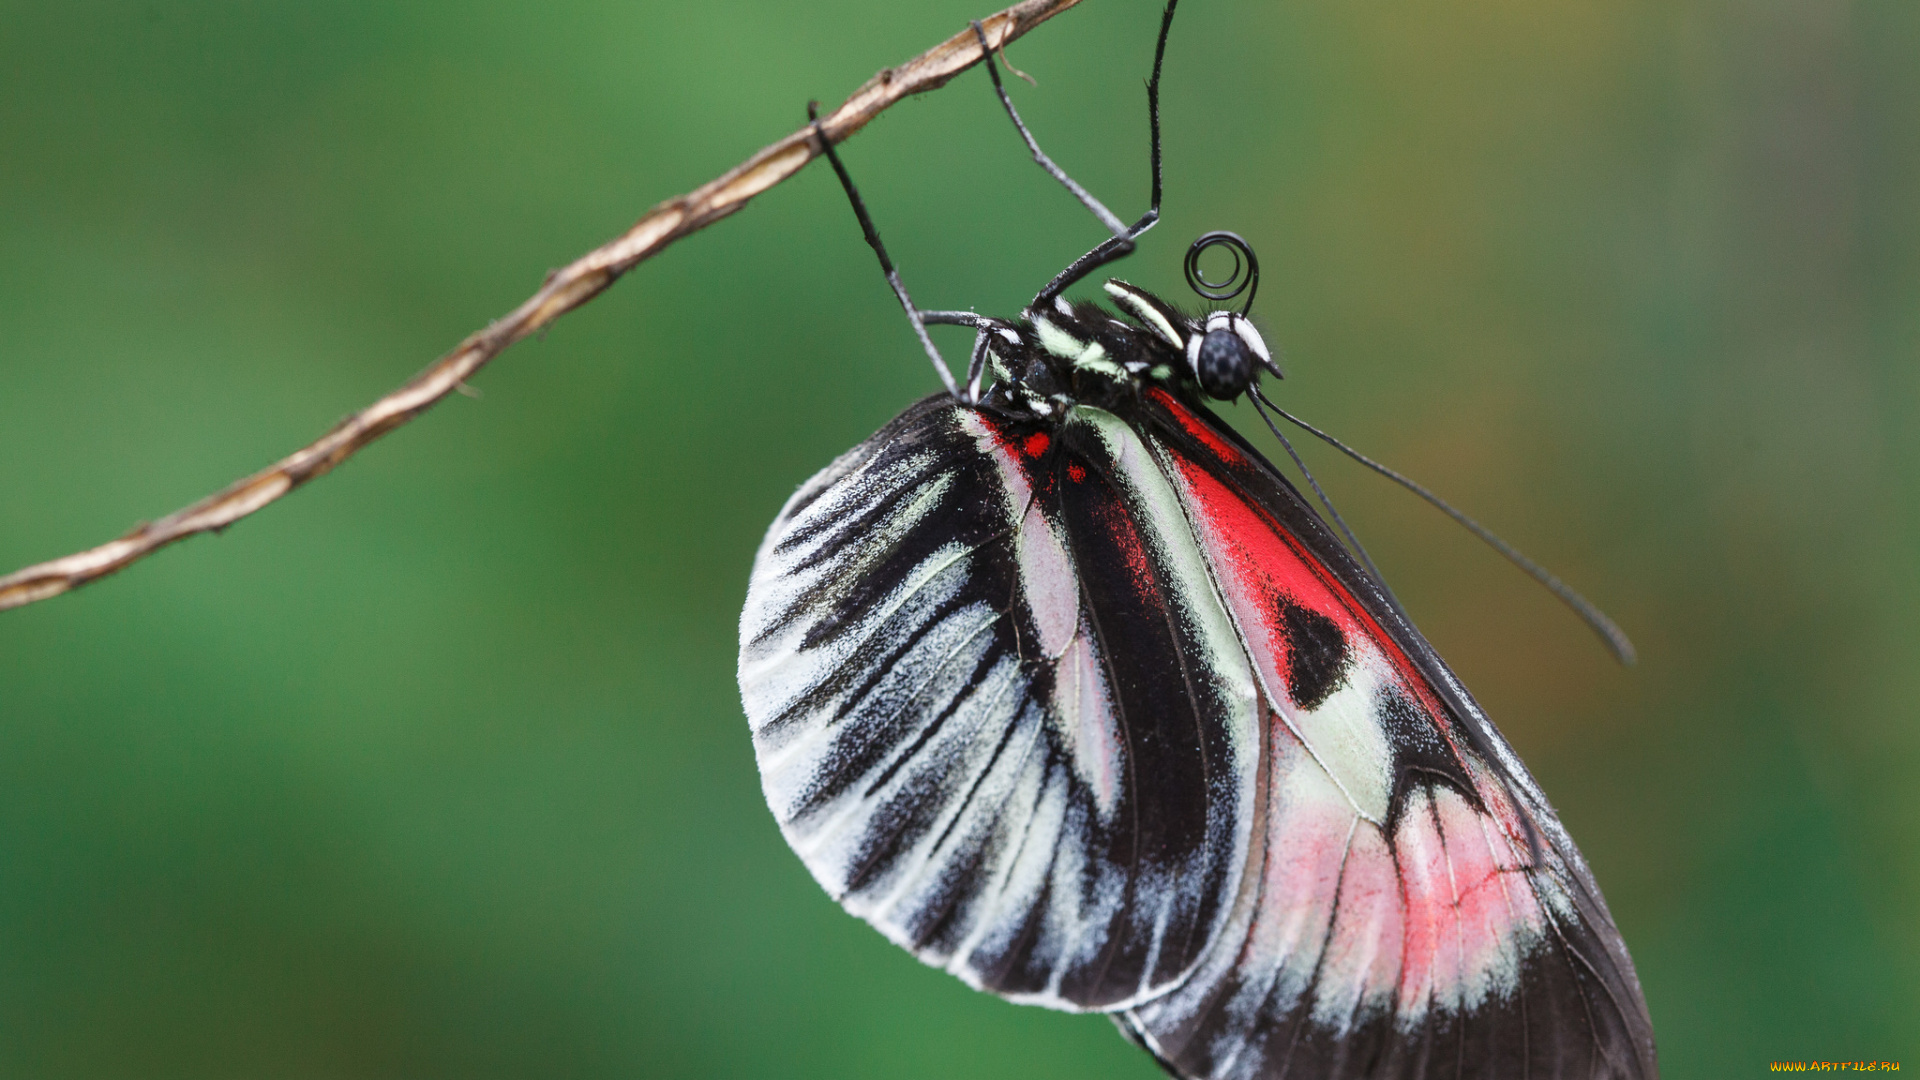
<point>1223,364</point>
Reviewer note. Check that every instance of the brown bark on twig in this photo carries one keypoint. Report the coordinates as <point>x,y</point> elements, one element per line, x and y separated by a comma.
<point>564,290</point>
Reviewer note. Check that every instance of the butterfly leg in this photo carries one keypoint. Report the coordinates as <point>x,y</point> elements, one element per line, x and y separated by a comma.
<point>1121,243</point>
<point>1114,224</point>
<point>914,314</point>
<point>977,365</point>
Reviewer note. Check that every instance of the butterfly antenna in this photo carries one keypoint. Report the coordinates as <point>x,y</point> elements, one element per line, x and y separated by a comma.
<point>1353,541</point>
<point>1616,639</point>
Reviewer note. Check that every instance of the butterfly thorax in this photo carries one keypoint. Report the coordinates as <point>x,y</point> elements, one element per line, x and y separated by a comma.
<point>1082,354</point>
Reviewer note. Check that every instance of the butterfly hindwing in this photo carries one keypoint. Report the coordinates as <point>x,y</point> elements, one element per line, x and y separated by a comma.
<point>997,711</point>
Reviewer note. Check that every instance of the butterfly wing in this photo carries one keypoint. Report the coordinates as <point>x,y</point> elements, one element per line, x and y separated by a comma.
<point>1096,714</point>
<point>1006,723</point>
<point>1414,908</point>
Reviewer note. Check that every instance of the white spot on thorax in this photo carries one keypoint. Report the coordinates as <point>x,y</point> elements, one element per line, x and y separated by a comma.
<point>1146,312</point>
<point>1058,341</point>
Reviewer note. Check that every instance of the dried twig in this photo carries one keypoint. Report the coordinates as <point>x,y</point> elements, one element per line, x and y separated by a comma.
<point>565,289</point>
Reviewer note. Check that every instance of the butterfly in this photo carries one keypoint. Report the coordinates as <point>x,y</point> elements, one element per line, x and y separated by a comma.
<point>1057,682</point>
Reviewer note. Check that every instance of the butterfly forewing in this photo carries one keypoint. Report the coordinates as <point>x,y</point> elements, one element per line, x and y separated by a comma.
<point>1402,917</point>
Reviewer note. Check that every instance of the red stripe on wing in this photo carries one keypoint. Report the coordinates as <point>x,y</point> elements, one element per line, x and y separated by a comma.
<point>1266,560</point>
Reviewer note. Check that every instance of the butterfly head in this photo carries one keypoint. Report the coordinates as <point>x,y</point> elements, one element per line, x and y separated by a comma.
<point>1061,354</point>
<point>1225,352</point>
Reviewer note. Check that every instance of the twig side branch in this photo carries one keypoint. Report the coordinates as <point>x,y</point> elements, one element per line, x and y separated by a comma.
<point>564,290</point>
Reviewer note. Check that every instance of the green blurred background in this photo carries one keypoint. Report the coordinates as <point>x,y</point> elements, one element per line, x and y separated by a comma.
<point>437,769</point>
